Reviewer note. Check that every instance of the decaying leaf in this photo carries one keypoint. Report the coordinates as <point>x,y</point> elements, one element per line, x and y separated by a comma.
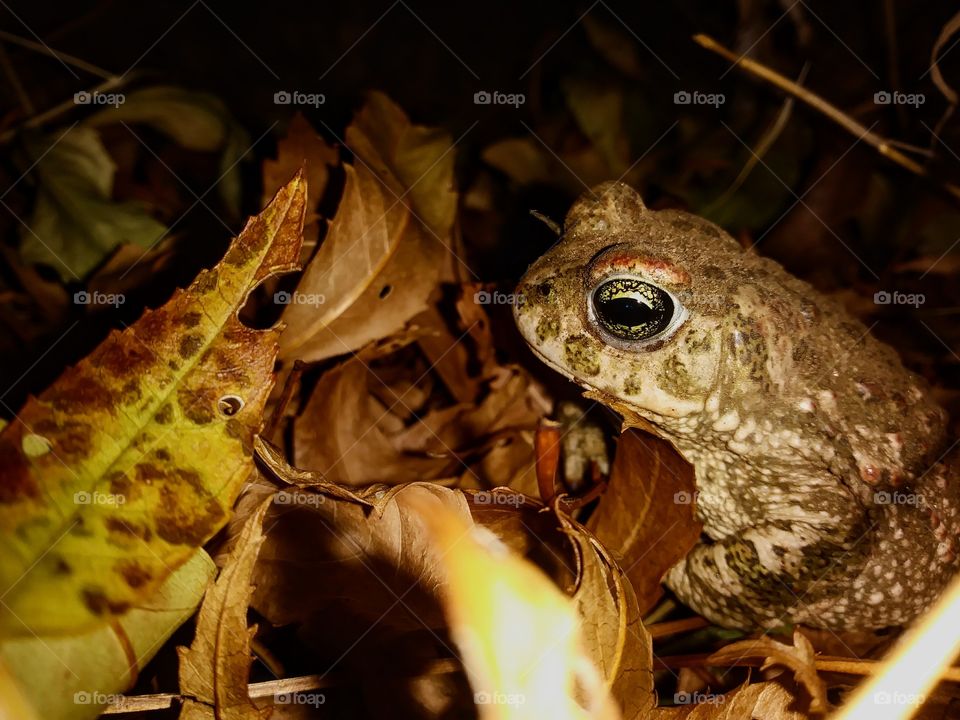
<point>114,475</point>
<point>72,677</point>
<point>215,668</point>
<point>75,225</point>
<point>645,517</point>
<point>384,253</point>
<point>518,633</point>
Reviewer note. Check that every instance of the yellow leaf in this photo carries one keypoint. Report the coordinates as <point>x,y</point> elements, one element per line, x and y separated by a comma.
<point>150,441</point>
<point>74,676</point>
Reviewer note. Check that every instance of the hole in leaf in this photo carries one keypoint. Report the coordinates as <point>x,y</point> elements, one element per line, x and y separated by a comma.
<point>229,405</point>
<point>385,290</point>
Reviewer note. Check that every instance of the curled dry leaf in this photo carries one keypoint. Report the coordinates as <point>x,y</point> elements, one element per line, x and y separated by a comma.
<point>385,252</point>
<point>214,670</point>
<point>387,420</point>
<point>114,475</point>
<point>645,517</point>
<point>800,658</point>
<point>614,635</point>
<point>70,677</point>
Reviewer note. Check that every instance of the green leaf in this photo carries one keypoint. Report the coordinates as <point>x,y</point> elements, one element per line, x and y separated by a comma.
<point>75,225</point>
<point>150,440</point>
<point>194,120</point>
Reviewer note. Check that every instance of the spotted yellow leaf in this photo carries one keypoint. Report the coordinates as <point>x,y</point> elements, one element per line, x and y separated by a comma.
<point>113,476</point>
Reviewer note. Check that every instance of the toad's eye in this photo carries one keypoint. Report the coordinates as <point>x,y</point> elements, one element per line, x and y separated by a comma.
<point>632,310</point>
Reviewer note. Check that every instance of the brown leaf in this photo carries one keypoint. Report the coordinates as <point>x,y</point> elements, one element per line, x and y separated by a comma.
<point>384,254</point>
<point>614,635</point>
<point>215,669</point>
<point>302,147</point>
<point>646,515</point>
<point>758,701</point>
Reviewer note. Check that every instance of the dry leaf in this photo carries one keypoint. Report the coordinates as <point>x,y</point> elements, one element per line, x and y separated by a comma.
<point>759,701</point>
<point>614,635</point>
<point>302,147</point>
<point>379,262</point>
<point>214,670</point>
<point>645,517</point>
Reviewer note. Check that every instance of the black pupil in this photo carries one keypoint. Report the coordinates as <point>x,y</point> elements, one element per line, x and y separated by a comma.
<point>632,309</point>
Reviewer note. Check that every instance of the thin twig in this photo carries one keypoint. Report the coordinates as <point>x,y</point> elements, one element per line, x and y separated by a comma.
<point>855,128</point>
<point>62,57</point>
